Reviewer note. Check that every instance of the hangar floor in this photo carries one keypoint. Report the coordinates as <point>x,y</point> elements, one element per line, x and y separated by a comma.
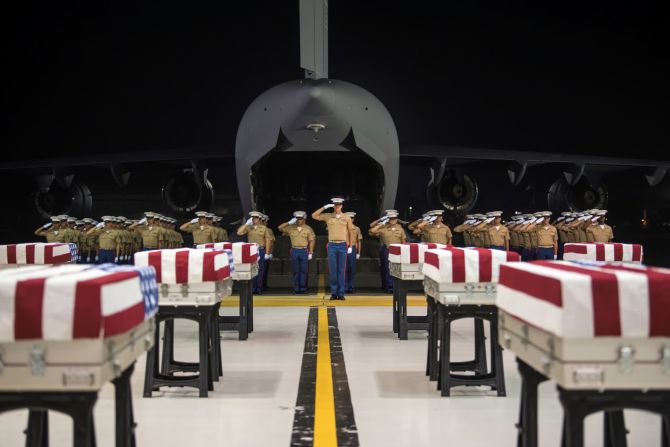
<point>392,401</point>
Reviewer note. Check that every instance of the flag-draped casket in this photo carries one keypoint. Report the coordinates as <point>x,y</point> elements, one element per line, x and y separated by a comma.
<point>405,259</point>
<point>188,276</point>
<point>611,252</point>
<point>245,257</point>
<point>588,325</point>
<point>454,275</point>
<point>73,327</point>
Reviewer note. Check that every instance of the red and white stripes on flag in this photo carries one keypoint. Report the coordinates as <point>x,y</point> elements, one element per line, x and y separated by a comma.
<point>602,252</point>
<point>463,265</point>
<point>35,253</point>
<point>186,265</point>
<point>69,302</point>
<point>243,252</point>
<point>575,301</point>
<point>410,253</point>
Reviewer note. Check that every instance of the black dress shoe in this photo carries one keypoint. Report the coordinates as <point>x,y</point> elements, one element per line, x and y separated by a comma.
<point>333,297</point>
<point>341,298</point>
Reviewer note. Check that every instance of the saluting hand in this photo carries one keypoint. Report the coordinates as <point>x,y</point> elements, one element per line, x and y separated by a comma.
<point>249,221</point>
<point>330,205</point>
<point>292,221</point>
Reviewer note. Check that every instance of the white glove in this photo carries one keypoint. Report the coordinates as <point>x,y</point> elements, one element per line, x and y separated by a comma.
<point>96,258</point>
<point>194,221</point>
<point>555,257</point>
<point>595,219</point>
<point>268,256</point>
<point>142,221</point>
<point>349,250</point>
<point>426,218</point>
<point>570,219</point>
<point>490,219</point>
<point>383,220</point>
<point>292,221</point>
<point>432,218</point>
<point>560,219</point>
<point>249,221</point>
<point>330,205</point>
<point>47,225</point>
<point>100,225</point>
<point>309,256</point>
<point>585,217</point>
<point>116,259</point>
<point>358,256</point>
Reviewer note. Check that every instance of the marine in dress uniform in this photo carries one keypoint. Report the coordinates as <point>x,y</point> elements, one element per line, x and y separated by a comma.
<point>151,233</point>
<point>302,248</point>
<point>256,233</point>
<point>599,231</point>
<point>433,229</point>
<point>412,225</point>
<point>547,237</point>
<point>513,234</point>
<point>352,257</point>
<point>108,239</point>
<point>221,233</point>
<point>389,231</point>
<point>340,236</point>
<point>462,229</point>
<point>202,233</point>
<point>498,234</point>
<point>51,230</point>
<point>269,250</point>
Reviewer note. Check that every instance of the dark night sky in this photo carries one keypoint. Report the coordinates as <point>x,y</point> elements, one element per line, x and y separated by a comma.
<point>133,76</point>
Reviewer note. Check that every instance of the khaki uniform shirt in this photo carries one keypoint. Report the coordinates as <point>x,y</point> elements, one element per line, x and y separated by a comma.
<point>221,234</point>
<point>392,234</point>
<point>436,233</point>
<point>358,236</point>
<point>599,233</point>
<point>498,235</point>
<point>513,238</point>
<point>151,235</point>
<point>546,236</point>
<point>55,235</point>
<point>256,234</point>
<point>300,236</point>
<point>340,227</point>
<point>201,235</point>
<point>108,239</point>
<point>92,242</point>
<point>467,240</point>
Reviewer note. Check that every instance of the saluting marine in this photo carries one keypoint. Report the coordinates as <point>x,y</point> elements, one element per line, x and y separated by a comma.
<point>352,256</point>
<point>547,236</point>
<point>599,231</point>
<point>434,229</point>
<point>340,236</point>
<point>202,233</point>
<point>499,236</point>
<point>108,240</point>
<point>269,250</point>
<point>302,247</point>
<point>389,231</point>
<point>257,233</point>
<point>221,235</point>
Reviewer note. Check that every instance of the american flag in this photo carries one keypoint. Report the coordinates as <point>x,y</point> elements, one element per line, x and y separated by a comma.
<point>243,252</point>
<point>602,252</point>
<point>38,253</point>
<point>186,265</point>
<point>460,265</point>
<point>74,301</point>
<point>587,300</point>
<point>410,253</point>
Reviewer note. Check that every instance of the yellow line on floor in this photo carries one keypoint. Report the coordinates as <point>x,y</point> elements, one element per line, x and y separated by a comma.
<point>318,300</point>
<point>325,431</point>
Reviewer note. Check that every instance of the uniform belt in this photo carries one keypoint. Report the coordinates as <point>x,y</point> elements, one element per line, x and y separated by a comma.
<point>546,246</point>
<point>300,247</point>
<point>337,242</point>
